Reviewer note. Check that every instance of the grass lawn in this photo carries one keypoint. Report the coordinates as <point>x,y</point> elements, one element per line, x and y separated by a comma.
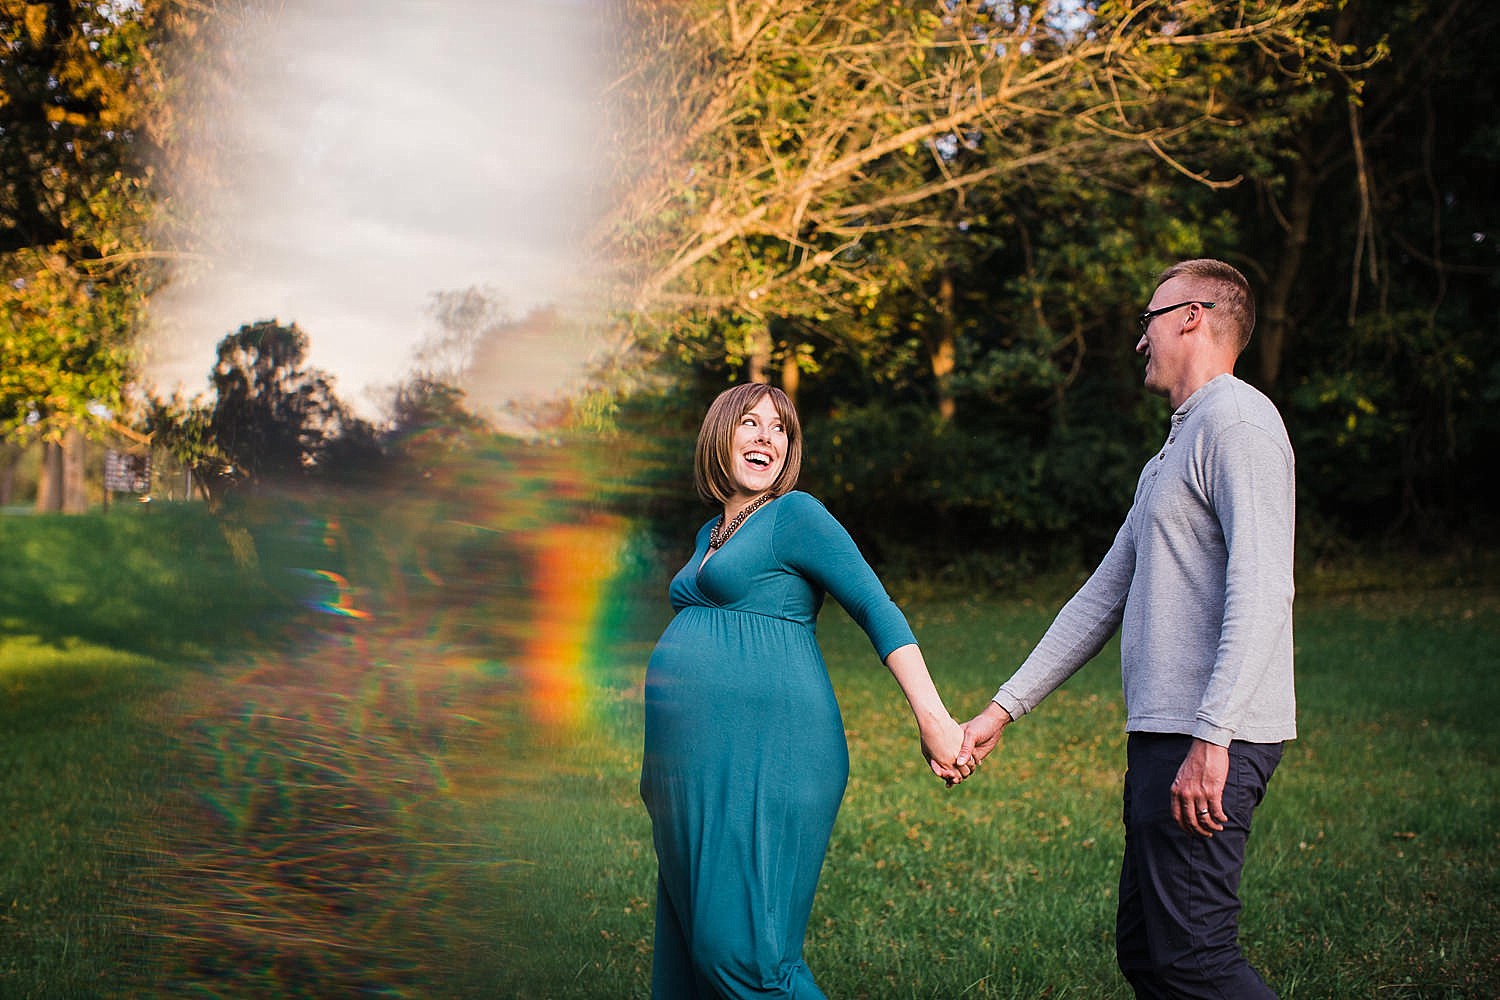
<point>1372,868</point>
<point>215,787</point>
<point>74,754</point>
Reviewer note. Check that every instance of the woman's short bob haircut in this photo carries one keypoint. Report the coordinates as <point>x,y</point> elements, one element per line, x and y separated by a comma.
<point>714,457</point>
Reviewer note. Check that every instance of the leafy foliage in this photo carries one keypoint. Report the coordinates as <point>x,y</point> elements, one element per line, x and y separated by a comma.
<point>955,315</point>
<point>80,111</point>
<point>932,223</point>
<point>85,126</point>
<point>274,418</point>
<point>65,348</point>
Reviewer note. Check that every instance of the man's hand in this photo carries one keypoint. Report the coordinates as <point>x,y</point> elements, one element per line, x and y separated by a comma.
<point>982,734</point>
<point>1198,792</point>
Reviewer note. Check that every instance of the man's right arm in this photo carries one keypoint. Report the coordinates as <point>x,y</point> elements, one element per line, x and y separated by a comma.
<point>1078,633</point>
<point>1080,630</point>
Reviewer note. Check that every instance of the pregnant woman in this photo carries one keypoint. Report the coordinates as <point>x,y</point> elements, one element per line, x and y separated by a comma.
<point>745,758</point>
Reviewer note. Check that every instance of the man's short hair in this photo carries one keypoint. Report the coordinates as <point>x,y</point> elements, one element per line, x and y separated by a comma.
<point>1226,287</point>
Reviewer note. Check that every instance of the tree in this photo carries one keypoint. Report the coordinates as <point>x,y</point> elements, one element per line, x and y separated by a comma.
<point>180,427</point>
<point>1376,221</point>
<point>428,423</point>
<point>957,207</point>
<point>273,419</point>
<point>767,148</point>
<point>66,355</point>
<point>465,318</point>
<point>82,108</point>
<point>428,419</point>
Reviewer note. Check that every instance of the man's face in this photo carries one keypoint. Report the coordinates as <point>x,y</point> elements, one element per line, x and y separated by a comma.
<point>1161,342</point>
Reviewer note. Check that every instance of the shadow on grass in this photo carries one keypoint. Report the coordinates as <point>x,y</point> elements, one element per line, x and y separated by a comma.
<point>160,581</point>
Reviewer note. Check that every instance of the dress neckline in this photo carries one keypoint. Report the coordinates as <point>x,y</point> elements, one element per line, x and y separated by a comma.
<point>709,554</point>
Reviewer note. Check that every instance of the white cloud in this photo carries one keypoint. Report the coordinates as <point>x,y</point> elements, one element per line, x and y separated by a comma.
<point>384,152</point>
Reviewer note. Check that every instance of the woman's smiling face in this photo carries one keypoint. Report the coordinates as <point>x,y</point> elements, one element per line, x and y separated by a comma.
<point>759,449</point>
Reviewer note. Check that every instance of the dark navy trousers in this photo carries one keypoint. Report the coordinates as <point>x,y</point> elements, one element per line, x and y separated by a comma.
<point>1177,930</point>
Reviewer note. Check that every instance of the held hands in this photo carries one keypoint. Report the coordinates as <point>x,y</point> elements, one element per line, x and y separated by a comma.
<point>982,734</point>
<point>954,752</point>
<point>942,740</point>
<point>1197,793</point>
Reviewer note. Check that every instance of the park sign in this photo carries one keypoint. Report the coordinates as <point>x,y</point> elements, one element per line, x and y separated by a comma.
<point>127,473</point>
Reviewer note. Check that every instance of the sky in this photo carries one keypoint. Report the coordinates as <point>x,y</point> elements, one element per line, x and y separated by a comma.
<point>370,155</point>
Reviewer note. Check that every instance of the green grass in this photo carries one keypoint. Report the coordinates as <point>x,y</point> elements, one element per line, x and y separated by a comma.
<point>1372,870</point>
<point>213,791</point>
<point>73,755</point>
<point>99,617</point>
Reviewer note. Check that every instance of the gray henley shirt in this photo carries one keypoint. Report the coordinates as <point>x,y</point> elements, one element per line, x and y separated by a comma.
<point>1199,580</point>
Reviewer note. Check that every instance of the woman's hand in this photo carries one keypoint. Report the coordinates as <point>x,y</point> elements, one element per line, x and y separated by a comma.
<point>942,738</point>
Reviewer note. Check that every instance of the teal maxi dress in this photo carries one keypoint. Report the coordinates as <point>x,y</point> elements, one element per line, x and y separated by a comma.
<point>745,759</point>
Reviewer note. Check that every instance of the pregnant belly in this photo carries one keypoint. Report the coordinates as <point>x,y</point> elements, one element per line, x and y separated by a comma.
<point>718,676</point>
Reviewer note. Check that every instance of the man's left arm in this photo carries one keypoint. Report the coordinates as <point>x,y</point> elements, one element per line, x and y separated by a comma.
<point>1251,478</point>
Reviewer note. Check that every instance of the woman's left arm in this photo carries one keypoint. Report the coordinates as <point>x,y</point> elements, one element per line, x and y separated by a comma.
<point>941,735</point>
<point>823,552</point>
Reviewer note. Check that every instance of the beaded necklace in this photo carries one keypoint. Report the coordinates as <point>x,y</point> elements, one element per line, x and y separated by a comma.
<point>720,534</point>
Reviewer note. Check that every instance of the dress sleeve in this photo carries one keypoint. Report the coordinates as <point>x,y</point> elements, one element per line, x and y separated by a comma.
<point>812,542</point>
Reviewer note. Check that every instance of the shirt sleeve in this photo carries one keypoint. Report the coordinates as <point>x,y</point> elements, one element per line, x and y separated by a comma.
<point>1079,631</point>
<point>1251,484</point>
<point>825,554</point>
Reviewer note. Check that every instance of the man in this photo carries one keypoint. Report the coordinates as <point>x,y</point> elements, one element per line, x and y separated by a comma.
<point>1199,580</point>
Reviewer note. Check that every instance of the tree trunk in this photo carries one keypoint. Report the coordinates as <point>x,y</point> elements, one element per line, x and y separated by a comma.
<point>75,499</point>
<point>49,486</point>
<point>62,486</point>
<point>10,454</point>
<point>759,362</point>
<point>941,349</point>
<point>791,376</point>
<point>1275,314</point>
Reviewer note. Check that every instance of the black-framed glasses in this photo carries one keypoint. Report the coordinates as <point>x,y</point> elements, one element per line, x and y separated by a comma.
<point>1145,318</point>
